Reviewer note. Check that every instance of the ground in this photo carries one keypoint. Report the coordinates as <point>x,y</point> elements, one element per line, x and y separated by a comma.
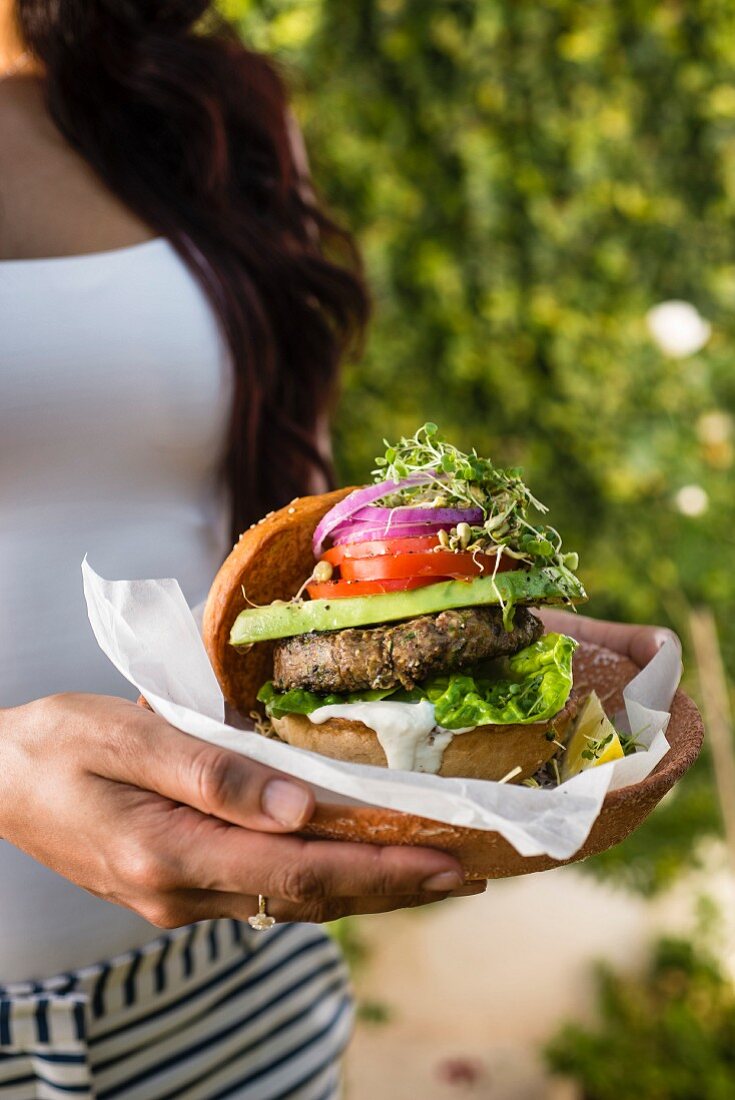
<point>471,987</point>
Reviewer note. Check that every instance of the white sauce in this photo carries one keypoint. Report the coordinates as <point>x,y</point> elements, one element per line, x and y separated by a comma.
<point>407,732</point>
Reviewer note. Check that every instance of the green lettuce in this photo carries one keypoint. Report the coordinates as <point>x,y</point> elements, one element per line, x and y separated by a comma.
<point>531,686</point>
<point>300,701</point>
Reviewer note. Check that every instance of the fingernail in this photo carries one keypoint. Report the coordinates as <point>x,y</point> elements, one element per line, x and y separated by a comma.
<point>446,880</point>
<point>285,802</point>
<point>663,636</point>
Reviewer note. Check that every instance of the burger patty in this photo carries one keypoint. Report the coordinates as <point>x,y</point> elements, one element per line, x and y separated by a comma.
<point>401,654</point>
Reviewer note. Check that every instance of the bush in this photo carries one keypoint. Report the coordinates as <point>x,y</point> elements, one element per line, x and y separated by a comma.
<point>667,1036</point>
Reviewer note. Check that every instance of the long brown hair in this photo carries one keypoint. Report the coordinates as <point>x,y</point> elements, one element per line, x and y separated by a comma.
<point>191,131</point>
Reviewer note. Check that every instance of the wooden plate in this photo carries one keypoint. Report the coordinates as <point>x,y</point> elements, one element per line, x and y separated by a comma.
<point>487,854</point>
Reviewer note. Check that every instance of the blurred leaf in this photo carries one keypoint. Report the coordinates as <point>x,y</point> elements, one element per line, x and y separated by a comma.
<point>665,1036</point>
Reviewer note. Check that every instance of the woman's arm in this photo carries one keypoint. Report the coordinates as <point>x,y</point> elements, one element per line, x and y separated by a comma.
<point>640,643</point>
<point>121,803</point>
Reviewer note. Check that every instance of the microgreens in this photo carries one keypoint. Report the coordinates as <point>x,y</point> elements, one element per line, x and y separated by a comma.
<point>596,746</point>
<point>629,743</point>
<point>468,481</point>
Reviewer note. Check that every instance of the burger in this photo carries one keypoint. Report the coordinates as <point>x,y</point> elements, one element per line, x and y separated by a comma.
<point>393,624</point>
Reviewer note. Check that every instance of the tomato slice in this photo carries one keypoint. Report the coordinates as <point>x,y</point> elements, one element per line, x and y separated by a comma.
<point>434,563</point>
<point>338,590</point>
<point>379,547</point>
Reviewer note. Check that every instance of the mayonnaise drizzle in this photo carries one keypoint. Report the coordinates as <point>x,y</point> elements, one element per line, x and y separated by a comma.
<point>407,732</point>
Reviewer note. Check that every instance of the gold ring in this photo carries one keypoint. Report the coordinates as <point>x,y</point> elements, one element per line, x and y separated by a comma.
<point>262,920</point>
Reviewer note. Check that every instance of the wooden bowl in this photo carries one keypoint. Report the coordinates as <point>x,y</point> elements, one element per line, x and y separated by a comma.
<point>486,854</point>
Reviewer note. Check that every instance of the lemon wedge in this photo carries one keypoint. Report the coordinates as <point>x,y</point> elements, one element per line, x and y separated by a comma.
<point>593,740</point>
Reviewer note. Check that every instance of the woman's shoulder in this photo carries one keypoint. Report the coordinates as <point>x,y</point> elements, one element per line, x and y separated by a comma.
<point>51,201</point>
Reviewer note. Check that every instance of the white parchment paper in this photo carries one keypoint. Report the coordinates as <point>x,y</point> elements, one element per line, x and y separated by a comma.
<point>149,633</point>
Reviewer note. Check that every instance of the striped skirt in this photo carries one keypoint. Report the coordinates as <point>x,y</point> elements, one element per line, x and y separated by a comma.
<point>205,1012</point>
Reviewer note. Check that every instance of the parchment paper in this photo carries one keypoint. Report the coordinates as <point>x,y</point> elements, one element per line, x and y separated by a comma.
<point>149,633</point>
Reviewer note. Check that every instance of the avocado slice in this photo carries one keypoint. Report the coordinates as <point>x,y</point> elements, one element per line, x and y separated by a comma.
<point>546,584</point>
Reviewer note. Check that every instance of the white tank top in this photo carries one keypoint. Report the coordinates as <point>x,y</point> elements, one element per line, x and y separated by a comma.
<point>115,390</point>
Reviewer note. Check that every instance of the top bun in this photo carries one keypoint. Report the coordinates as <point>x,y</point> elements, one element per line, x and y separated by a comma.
<point>270,561</point>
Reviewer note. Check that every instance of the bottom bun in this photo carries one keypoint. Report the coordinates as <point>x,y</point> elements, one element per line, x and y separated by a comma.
<point>487,752</point>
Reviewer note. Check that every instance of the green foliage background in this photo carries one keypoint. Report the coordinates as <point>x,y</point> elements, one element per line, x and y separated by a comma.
<point>526,180</point>
<point>664,1035</point>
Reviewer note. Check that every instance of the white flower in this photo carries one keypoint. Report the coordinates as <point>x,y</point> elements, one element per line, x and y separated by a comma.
<point>714,427</point>
<point>678,328</point>
<point>692,500</point>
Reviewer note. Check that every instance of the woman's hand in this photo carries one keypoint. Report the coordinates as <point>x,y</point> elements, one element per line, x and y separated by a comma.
<point>128,807</point>
<point>639,643</point>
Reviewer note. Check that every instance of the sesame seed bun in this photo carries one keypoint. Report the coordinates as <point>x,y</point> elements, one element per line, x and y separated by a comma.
<point>270,561</point>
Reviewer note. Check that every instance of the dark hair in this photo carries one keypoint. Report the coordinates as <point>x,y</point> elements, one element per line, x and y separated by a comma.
<point>191,131</point>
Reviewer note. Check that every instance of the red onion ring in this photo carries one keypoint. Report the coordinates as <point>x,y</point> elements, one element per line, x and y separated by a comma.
<point>416,514</point>
<point>353,502</point>
<point>358,532</point>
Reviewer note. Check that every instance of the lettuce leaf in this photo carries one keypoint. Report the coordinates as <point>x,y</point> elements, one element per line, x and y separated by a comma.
<point>300,701</point>
<point>531,686</point>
